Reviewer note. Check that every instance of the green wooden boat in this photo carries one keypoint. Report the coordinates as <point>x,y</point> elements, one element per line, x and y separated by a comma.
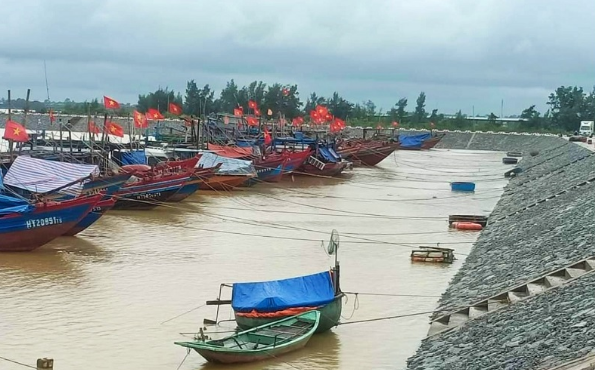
<point>260,343</point>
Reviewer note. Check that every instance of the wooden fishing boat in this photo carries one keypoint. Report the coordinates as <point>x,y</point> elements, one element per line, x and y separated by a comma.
<point>226,182</point>
<point>25,227</point>
<point>269,169</point>
<point>149,192</point>
<point>374,154</point>
<point>294,160</point>
<point>260,303</point>
<point>430,143</point>
<point>197,181</point>
<point>98,210</point>
<point>433,254</point>
<point>261,343</point>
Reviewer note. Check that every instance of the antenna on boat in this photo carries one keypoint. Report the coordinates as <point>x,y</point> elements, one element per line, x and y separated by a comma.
<point>333,248</point>
<point>47,87</point>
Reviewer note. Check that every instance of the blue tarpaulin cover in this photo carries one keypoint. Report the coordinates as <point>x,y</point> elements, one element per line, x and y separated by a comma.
<point>413,141</point>
<point>135,157</point>
<point>270,296</point>
<point>229,166</point>
<point>324,152</point>
<point>14,205</point>
<point>10,204</point>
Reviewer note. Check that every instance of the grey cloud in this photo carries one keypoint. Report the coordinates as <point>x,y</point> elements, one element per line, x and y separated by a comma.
<point>461,53</point>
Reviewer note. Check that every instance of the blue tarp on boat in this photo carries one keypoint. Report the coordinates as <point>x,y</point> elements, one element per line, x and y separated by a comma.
<point>324,152</point>
<point>10,204</point>
<point>134,157</point>
<point>270,296</point>
<point>413,141</point>
<point>1,183</point>
<point>334,154</point>
<point>229,166</point>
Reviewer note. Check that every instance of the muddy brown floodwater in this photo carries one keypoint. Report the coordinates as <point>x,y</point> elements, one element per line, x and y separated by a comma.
<point>97,301</point>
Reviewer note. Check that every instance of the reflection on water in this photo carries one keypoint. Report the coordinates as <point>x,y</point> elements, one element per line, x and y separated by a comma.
<point>96,301</point>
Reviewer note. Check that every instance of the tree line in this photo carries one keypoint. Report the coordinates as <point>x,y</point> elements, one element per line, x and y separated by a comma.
<point>567,106</point>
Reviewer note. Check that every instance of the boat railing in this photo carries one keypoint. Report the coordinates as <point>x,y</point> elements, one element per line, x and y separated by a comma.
<point>316,162</point>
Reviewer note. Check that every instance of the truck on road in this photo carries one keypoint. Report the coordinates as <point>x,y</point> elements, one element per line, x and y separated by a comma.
<point>586,128</point>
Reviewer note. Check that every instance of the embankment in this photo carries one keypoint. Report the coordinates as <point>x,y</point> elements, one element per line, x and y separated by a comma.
<point>544,221</point>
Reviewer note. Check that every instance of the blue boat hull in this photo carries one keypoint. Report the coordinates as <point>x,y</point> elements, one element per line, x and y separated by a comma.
<point>28,231</point>
<point>186,191</point>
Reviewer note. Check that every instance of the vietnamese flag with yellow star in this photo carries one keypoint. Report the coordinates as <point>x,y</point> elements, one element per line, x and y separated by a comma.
<point>110,103</point>
<point>153,114</point>
<point>175,109</point>
<point>15,132</point>
<point>140,120</point>
<point>114,129</point>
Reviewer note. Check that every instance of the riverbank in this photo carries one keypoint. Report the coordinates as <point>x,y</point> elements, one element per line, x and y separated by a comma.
<point>543,222</point>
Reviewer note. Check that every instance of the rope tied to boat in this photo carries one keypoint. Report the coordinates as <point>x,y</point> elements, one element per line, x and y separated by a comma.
<point>386,318</point>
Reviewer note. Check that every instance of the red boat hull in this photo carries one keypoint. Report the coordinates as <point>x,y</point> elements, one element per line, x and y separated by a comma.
<point>371,156</point>
<point>26,240</point>
<point>329,169</point>
<point>225,182</point>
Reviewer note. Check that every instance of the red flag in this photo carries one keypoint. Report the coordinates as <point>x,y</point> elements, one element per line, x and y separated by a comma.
<point>267,136</point>
<point>175,109</point>
<point>15,132</point>
<point>52,118</point>
<point>321,110</point>
<point>154,114</point>
<point>395,124</point>
<point>334,127</point>
<point>339,124</point>
<point>285,91</point>
<point>256,112</point>
<point>237,112</point>
<point>115,129</point>
<point>110,103</point>
<point>140,120</point>
<point>295,121</point>
<point>252,104</point>
<point>328,117</point>
<point>252,121</point>
<point>301,120</point>
<point>93,128</point>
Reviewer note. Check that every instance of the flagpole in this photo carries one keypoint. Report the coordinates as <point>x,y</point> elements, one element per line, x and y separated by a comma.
<point>10,142</point>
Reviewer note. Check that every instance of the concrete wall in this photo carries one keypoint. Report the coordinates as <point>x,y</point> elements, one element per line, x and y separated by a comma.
<point>550,328</point>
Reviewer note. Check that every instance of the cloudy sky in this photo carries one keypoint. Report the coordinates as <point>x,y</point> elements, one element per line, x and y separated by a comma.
<point>461,53</point>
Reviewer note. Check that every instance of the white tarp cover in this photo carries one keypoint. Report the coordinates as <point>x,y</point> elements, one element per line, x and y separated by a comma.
<point>40,175</point>
<point>229,166</point>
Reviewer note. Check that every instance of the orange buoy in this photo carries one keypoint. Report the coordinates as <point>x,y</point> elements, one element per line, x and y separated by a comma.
<point>467,226</point>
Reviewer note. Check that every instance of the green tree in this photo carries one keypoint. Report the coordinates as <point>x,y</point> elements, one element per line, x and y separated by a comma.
<point>399,113</point>
<point>420,110</point>
<point>159,100</point>
<point>534,121</point>
<point>434,116</point>
<point>567,106</point>
<point>492,119</point>
<point>339,107</point>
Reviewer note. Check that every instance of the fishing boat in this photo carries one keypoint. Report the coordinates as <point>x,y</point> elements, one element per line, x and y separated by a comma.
<point>324,162</point>
<point>269,169</point>
<point>25,227</point>
<point>232,172</point>
<point>148,192</point>
<point>433,254</point>
<point>198,180</point>
<point>294,160</point>
<point>260,303</point>
<point>261,343</point>
<point>367,153</point>
<point>98,210</point>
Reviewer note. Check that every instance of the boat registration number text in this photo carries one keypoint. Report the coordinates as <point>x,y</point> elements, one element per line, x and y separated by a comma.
<point>40,222</point>
<point>148,195</point>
